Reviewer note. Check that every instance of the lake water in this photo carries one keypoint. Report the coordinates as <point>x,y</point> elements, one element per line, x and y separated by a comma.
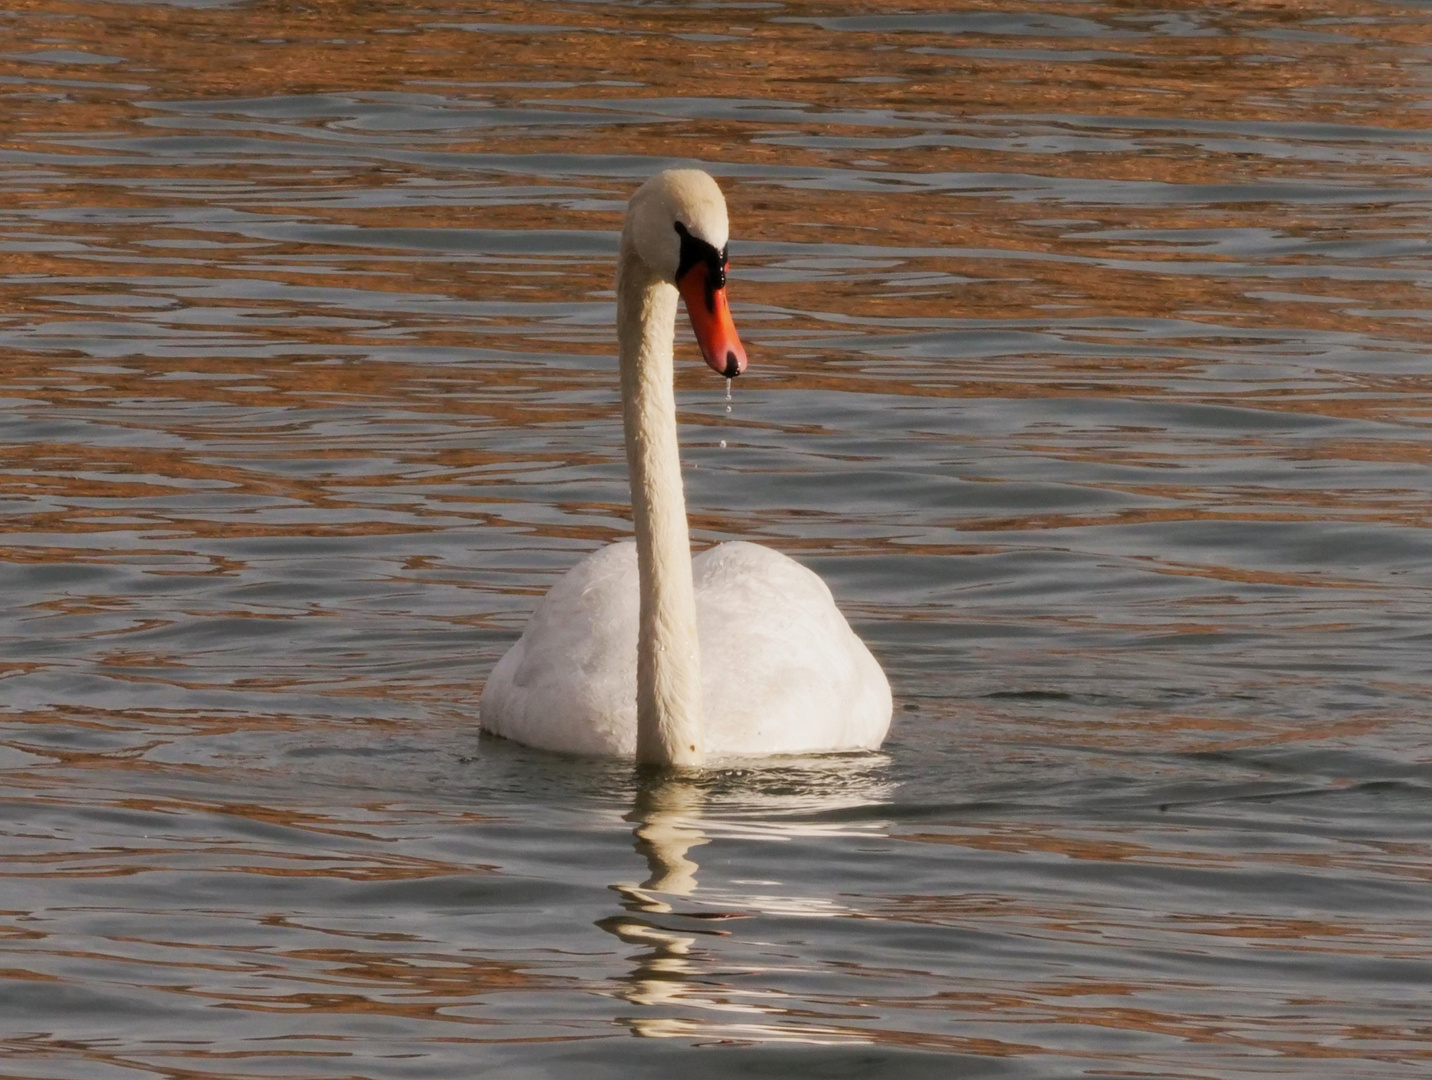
<point>1090,366</point>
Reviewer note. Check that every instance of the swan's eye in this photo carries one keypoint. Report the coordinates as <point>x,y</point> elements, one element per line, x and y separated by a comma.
<point>716,273</point>
<point>694,251</point>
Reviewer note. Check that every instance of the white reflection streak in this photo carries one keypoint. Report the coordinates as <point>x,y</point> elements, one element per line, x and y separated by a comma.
<point>668,817</point>
<point>666,813</point>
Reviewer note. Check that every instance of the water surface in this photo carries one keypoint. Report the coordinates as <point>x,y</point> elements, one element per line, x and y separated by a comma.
<point>1089,366</point>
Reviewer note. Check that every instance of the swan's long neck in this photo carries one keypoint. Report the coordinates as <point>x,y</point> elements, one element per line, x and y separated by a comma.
<point>668,666</point>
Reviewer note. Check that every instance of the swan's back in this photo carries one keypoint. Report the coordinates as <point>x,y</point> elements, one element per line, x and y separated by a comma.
<point>782,672</point>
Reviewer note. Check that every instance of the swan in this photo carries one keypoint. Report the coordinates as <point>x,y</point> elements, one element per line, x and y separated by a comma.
<point>640,650</point>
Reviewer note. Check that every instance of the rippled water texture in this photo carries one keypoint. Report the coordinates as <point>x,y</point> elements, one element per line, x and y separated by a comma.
<point>1090,365</point>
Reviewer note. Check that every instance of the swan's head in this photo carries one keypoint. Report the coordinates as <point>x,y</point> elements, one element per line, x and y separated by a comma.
<point>677,223</point>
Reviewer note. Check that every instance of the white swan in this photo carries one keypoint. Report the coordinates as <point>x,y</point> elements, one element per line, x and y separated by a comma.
<point>641,650</point>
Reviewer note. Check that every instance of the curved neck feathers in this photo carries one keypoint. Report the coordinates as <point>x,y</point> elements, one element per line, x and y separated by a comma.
<point>668,666</point>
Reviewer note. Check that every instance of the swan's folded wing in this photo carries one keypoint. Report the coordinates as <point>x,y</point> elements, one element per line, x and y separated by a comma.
<point>782,671</point>
<point>569,683</point>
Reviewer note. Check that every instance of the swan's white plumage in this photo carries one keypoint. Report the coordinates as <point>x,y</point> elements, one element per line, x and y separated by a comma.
<point>738,652</point>
<point>782,672</point>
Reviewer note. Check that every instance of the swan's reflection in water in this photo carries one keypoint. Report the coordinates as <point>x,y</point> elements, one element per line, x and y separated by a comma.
<point>675,924</point>
<point>667,815</point>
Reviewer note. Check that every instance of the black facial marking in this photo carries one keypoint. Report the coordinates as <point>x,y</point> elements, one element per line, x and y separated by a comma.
<point>695,251</point>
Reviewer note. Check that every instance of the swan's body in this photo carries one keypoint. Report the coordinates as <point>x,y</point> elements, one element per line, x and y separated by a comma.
<point>782,672</point>
<point>641,650</point>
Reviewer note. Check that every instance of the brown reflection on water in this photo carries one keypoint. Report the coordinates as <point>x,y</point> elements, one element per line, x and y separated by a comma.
<point>950,95</point>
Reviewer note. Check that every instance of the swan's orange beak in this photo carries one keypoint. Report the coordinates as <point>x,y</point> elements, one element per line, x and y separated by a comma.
<point>711,319</point>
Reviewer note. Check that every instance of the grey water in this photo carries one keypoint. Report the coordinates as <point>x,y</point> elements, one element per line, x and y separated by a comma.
<point>1089,365</point>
